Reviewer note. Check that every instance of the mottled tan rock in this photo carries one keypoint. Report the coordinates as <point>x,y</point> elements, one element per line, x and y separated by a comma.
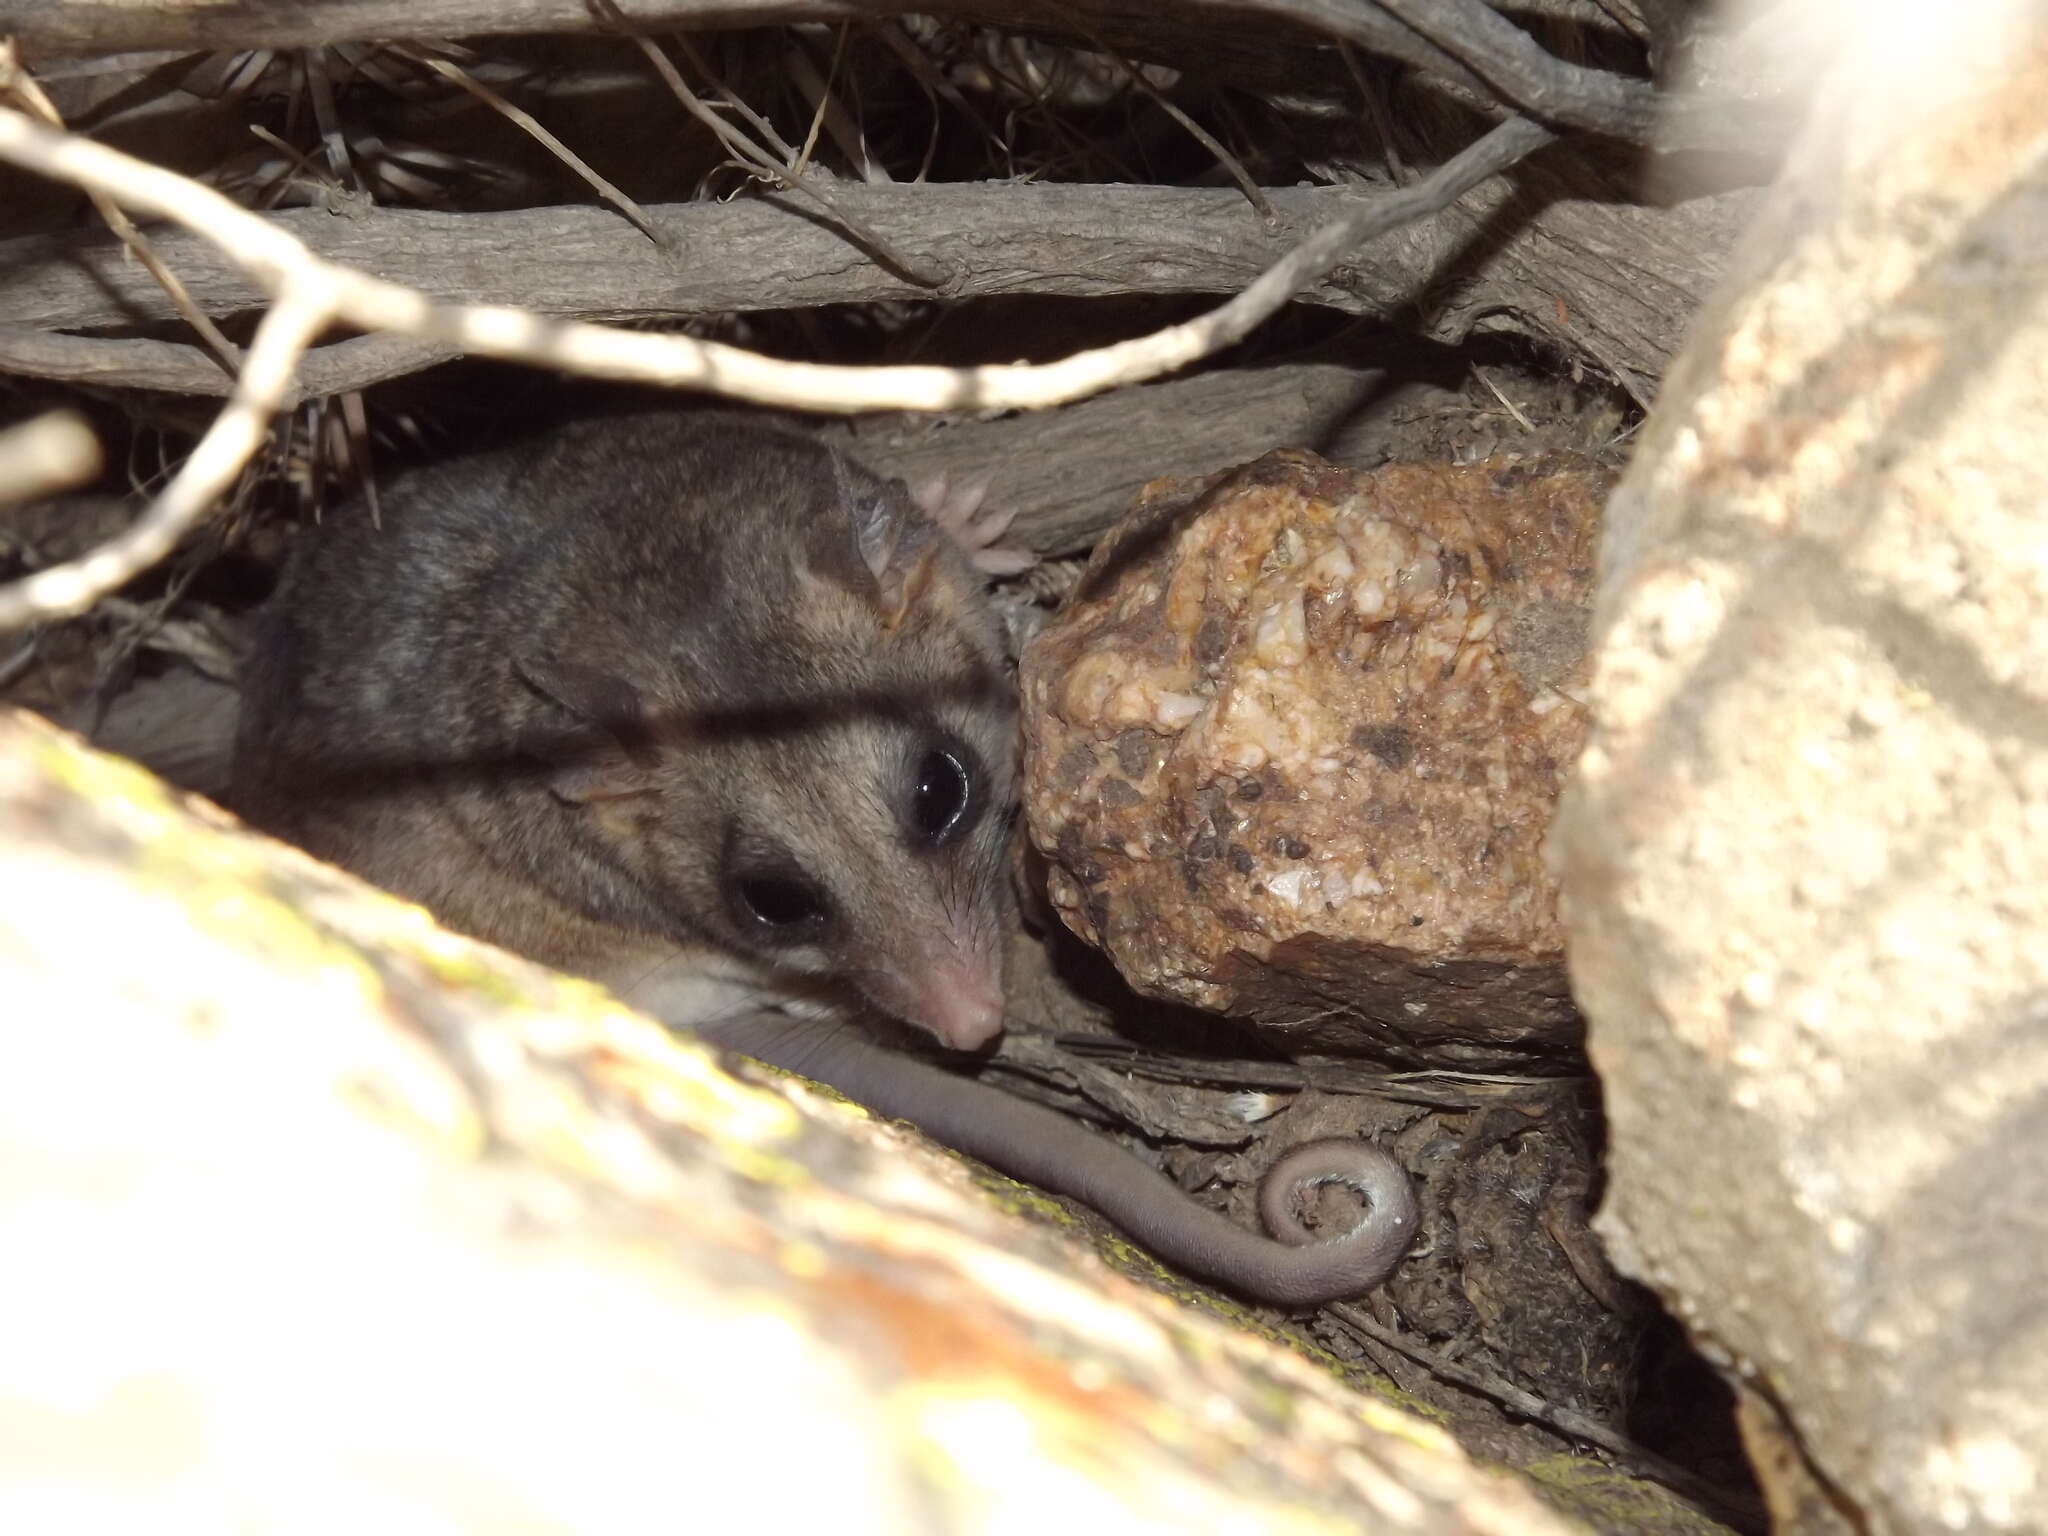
<point>1806,852</point>
<point>1292,747</point>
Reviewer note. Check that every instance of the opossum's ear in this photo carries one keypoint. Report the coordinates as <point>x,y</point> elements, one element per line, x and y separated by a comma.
<point>606,754</point>
<point>881,547</point>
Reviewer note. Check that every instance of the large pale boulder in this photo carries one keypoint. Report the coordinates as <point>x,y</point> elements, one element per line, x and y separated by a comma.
<point>1805,858</point>
<point>320,1218</point>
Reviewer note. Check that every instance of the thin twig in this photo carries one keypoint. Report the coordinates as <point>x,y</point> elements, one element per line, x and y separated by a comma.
<point>1514,65</point>
<point>935,85</point>
<point>736,143</point>
<point>1743,1514</point>
<point>782,173</point>
<point>1506,404</point>
<point>1434,1089</point>
<point>190,640</point>
<point>355,420</point>
<point>1625,377</point>
<point>527,123</point>
<point>299,315</point>
<point>1231,165</point>
<point>1382,122</point>
<point>829,113</point>
<point>784,155</point>
<point>137,625</point>
<point>298,165</point>
<point>327,122</point>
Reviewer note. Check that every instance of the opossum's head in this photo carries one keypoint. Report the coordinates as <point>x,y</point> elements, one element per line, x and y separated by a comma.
<point>813,764</point>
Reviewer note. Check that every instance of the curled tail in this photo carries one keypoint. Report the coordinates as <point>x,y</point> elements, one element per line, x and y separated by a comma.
<point>1030,1142</point>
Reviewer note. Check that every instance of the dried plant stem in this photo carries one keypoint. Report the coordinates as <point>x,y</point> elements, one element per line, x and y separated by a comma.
<point>787,172</point>
<point>298,316</point>
<point>1741,1512</point>
<point>528,124</point>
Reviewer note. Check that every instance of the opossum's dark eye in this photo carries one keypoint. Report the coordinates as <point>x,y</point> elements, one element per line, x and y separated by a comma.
<point>779,902</point>
<point>940,796</point>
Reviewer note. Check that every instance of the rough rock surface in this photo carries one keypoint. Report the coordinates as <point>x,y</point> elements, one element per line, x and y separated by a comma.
<point>1292,747</point>
<point>1805,858</point>
<point>319,1216</point>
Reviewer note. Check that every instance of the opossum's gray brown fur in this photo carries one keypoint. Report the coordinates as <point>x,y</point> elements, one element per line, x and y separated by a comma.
<point>700,708</point>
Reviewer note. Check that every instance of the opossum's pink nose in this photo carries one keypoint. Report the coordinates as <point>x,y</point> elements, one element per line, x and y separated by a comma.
<point>964,1014</point>
<point>953,990</point>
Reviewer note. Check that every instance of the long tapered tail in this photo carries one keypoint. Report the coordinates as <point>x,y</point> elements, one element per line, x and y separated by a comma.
<point>1030,1142</point>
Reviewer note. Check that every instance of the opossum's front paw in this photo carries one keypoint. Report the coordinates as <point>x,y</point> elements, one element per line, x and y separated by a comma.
<point>957,506</point>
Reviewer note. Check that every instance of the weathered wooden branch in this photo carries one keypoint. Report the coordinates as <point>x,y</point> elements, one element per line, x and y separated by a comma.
<point>1613,280</point>
<point>1476,55</point>
<point>1069,474</point>
<point>112,362</point>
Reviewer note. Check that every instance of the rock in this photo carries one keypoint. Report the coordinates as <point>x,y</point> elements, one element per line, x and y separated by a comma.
<point>320,1216</point>
<point>1292,747</point>
<point>1805,858</point>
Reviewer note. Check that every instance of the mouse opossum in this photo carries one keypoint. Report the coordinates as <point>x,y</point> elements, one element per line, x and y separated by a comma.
<point>699,708</point>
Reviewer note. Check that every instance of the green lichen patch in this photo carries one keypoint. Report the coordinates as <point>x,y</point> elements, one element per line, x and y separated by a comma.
<point>1610,1500</point>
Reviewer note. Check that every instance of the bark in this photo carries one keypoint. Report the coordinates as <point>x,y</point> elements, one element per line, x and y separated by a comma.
<point>1210,36</point>
<point>1070,474</point>
<point>1613,281</point>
